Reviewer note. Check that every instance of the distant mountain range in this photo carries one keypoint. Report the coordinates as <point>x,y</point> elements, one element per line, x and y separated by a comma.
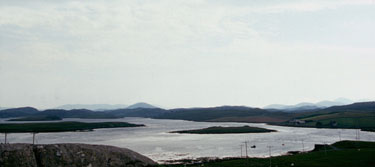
<point>223,113</point>
<point>215,114</point>
<point>80,111</point>
<point>104,107</point>
<point>305,106</point>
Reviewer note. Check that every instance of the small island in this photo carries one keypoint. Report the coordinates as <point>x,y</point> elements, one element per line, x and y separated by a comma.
<point>38,118</point>
<point>226,130</point>
<point>60,126</point>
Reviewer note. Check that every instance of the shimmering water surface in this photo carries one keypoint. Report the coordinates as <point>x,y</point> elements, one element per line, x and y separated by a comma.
<point>155,141</point>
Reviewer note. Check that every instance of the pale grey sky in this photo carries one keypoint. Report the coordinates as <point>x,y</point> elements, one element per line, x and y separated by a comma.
<point>176,53</point>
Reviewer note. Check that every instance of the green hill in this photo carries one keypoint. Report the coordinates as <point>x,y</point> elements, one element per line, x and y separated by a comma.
<point>354,116</point>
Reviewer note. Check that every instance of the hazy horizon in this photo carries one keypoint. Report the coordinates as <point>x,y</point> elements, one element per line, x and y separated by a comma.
<point>343,101</point>
<point>194,53</point>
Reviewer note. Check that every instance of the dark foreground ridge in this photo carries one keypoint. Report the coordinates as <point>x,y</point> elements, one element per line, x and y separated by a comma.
<point>72,155</point>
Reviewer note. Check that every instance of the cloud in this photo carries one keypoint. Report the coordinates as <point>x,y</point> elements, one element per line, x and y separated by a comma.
<point>166,52</point>
<point>274,6</point>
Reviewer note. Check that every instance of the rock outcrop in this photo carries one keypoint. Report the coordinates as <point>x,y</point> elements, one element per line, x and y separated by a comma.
<point>72,155</point>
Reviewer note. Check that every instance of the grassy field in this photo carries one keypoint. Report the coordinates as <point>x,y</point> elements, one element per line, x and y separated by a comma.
<point>350,120</point>
<point>226,130</point>
<point>341,154</point>
<point>60,126</point>
<point>37,118</point>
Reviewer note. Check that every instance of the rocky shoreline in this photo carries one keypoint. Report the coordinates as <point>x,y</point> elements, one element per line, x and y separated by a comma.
<point>72,155</point>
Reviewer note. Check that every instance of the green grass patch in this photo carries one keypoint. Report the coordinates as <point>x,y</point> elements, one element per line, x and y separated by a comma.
<point>60,126</point>
<point>226,130</point>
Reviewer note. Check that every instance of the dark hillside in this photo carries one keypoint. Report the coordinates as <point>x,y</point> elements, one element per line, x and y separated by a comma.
<point>18,112</point>
<point>363,106</point>
<point>77,113</point>
<point>225,113</point>
<point>138,112</point>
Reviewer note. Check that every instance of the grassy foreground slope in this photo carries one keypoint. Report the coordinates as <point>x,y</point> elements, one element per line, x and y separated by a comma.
<point>341,154</point>
<point>353,116</point>
<point>60,126</point>
<point>226,130</point>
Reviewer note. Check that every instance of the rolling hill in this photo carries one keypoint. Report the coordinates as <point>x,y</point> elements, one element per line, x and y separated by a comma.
<point>226,114</point>
<point>361,106</point>
<point>104,107</point>
<point>141,105</point>
<point>77,113</point>
<point>18,112</point>
<point>357,115</point>
<point>138,112</point>
<point>93,107</point>
<point>306,106</point>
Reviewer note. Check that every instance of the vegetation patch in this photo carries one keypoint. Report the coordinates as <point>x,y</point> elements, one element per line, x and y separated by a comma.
<point>226,130</point>
<point>60,126</point>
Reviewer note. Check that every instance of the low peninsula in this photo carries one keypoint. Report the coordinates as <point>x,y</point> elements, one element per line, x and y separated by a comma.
<point>38,118</point>
<point>226,130</point>
<point>60,126</point>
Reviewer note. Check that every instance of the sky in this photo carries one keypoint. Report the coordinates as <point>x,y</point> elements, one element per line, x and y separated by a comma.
<point>185,53</point>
